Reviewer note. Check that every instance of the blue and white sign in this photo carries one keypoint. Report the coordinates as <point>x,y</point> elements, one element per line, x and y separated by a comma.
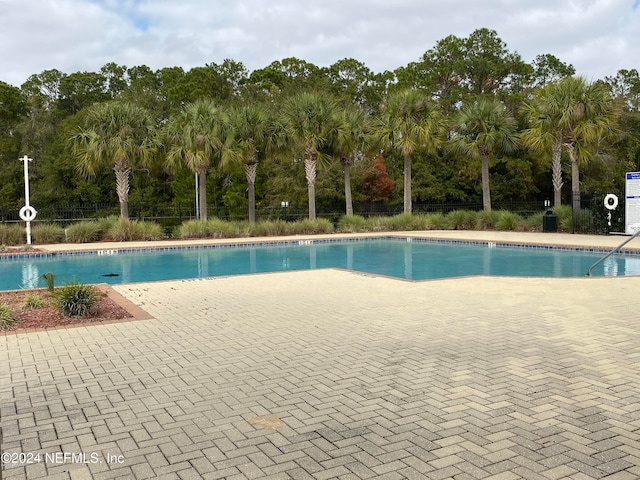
<point>632,203</point>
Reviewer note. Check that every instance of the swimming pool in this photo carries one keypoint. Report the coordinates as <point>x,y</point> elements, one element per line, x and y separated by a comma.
<point>405,258</point>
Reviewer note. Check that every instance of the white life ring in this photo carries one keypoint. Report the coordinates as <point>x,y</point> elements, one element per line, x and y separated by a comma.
<point>28,213</point>
<point>611,201</point>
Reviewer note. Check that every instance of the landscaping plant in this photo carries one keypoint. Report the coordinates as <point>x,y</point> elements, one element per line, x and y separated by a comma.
<point>6,316</point>
<point>76,300</point>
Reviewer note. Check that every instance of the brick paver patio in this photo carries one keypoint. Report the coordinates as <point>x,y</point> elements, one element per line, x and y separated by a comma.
<point>331,374</point>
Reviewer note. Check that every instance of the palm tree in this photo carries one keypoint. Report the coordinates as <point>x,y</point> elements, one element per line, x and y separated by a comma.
<point>348,145</point>
<point>573,114</point>
<point>409,122</point>
<point>195,138</point>
<point>309,123</point>
<point>482,129</point>
<point>588,116</point>
<point>251,136</point>
<point>118,134</point>
<point>543,114</point>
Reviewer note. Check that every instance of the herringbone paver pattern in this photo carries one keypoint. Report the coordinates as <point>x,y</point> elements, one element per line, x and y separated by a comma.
<point>334,375</point>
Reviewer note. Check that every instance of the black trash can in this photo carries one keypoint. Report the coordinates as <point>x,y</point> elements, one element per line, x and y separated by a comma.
<point>550,221</point>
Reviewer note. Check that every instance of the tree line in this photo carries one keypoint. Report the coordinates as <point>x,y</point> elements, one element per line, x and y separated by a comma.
<point>470,121</point>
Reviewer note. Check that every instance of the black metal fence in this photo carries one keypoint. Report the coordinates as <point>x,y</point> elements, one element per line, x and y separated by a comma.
<point>591,218</point>
<point>594,218</point>
<point>180,212</point>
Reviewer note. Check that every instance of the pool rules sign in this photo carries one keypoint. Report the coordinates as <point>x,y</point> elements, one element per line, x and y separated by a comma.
<point>632,203</point>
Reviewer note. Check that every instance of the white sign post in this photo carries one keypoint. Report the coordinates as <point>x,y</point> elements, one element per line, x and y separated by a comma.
<point>27,213</point>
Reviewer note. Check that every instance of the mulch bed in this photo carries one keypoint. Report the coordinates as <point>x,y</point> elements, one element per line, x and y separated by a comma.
<point>48,317</point>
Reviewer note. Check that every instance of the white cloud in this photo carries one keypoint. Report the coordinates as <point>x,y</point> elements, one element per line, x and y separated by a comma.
<point>597,36</point>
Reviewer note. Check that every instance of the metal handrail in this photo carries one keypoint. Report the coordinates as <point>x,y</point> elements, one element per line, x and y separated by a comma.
<point>612,252</point>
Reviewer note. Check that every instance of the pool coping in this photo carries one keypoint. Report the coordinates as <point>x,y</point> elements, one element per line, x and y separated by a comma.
<point>243,242</point>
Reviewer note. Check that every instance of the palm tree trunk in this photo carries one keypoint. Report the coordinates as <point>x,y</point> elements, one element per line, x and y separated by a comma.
<point>407,183</point>
<point>575,178</point>
<point>310,172</point>
<point>122,171</point>
<point>347,187</point>
<point>486,190</point>
<point>556,169</point>
<point>250,172</point>
<point>202,191</point>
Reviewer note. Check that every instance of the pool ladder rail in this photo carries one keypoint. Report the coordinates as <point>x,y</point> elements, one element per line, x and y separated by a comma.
<point>617,249</point>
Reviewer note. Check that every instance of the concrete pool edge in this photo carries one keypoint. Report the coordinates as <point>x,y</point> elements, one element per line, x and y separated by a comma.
<point>591,243</point>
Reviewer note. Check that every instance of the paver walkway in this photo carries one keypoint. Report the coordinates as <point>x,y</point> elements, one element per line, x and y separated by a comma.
<point>331,374</point>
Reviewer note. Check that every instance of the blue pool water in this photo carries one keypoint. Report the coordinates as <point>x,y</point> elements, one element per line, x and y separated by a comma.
<point>413,260</point>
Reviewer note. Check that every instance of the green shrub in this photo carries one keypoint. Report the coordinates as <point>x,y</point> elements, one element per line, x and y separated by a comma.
<point>84,232</point>
<point>398,223</point>
<point>125,230</point>
<point>436,221</point>
<point>7,317</point>
<point>421,222</point>
<point>217,228</point>
<point>32,302</point>
<point>352,224</point>
<point>151,231</point>
<point>76,300</point>
<point>44,233</point>
<point>12,234</point>
<point>193,229</point>
<point>533,222</point>
<point>486,220</point>
<point>106,224</point>
<point>565,217</point>
<point>462,220</point>
<point>267,228</point>
<point>310,227</point>
<point>376,224</point>
<point>509,221</point>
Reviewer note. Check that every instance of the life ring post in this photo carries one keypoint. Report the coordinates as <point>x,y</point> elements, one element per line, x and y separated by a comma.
<point>611,201</point>
<point>27,213</point>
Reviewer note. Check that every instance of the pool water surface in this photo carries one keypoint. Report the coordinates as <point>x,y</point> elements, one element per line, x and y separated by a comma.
<point>410,259</point>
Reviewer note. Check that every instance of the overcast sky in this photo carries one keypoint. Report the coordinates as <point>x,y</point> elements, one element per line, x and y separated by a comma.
<point>598,37</point>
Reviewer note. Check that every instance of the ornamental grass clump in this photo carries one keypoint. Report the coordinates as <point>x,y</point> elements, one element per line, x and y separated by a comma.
<point>565,216</point>
<point>106,224</point>
<point>353,224</point>
<point>487,219</point>
<point>217,228</point>
<point>462,220</point>
<point>436,221</point>
<point>44,233</point>
<point>11,235</point>
<point>402,222</point>
<point>151,231</point>
<point>267,228</point>
<point>310,227</point>
<point>76,300</point>
<point>32,301</point>
<point>509,221</point>
<point>84,232</point>
<point>193,229</point>
<point>533,222</point>
<point>124,230</point>
<point>7,318</point>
